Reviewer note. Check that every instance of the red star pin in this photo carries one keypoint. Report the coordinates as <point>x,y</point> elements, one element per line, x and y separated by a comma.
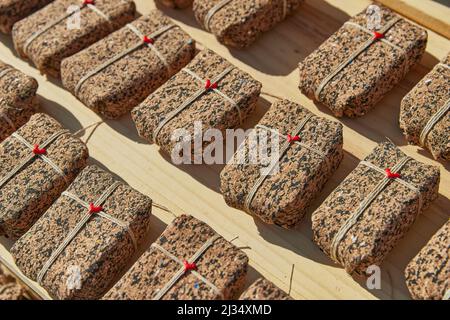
<point>392,175</point>
<point>189,266</point>
<point>38,151</point>
<point>94,209</point>
<point>292,139</point>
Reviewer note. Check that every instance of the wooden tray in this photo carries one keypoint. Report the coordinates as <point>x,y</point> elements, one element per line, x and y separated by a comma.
<point>195,189</point>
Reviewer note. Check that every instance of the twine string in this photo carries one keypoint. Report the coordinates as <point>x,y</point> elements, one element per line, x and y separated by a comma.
<point>353,219</point>
<point>194,97</point>
<point>355,54</point>
<point>126,52</point>
<point>82,223</point>
<point>252,193</point>
<point>446,295</point>
<point>433,121</point>
<point>197,255</point>
<point>55,22</point>
<point>33,155</point>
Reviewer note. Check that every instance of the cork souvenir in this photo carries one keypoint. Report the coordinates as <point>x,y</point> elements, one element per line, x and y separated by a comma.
<point>12,11</point>
<point>209,90</point>
<point>428,274</point>
<point>37,163</point>
<point>65,27</point>
<point>117,73</point>
<point>305,151</point>
<point>189,261</point>
<point>10,289</point>
<point>238,23</point>
<point>263,289</point>
<point>17,99</point>
<point>424,112</point>
<point>373,208</point>
<point>79,247</point>
<point>177,4</point>
<point>352,70</point>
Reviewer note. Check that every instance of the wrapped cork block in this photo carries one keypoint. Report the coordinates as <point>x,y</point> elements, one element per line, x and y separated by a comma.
<point>209,90</point>
<point>424,113</point>
<point>352,70</point>
<point>428,274</point>
<point>263,289</point>
<point>117,73</point>
<point>177,4</point>
<point>79,247</point>
<point>37,163</point>
<point>373,208</point>
<point>304,151</point>
<point>12,11</point>
<point>65,27</point>
<point>238,23</point>
<point>189,261</point>
<point>17,99</point>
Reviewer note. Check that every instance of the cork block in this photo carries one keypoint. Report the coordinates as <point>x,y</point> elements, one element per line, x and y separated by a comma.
<point>78,248</point>
<point>65,27</point>
<point>10,289</point>
<point>189,261</point>
<point>12,11</point>
<point>238,23</point>
<point>117,73</point>
<point>428,274</point>
<point>374,207</point>
<point>263,289</point>
<point>306,153</point>
<point>177,4</point>
<point>209,90</point>
<point>362,61</point>
<point>424,112</point>
<point>37,163</point>
<point>17,99</point>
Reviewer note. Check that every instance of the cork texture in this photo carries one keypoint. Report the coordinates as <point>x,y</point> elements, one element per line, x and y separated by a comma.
<point>211,109</point>
<point>421,103</point>
<point>176,4</point>
<point>101,250</point>
<point>240,23</point>
<point>121,86</point>
<point>12,11</point>
<point>62,40</point>
<point>224,265</point>
<point>263,289</point>
<point>17,99</point>
<point>285,195</point>
<point>31,191</point>
<point>428,274</point>
<point>10,289</point>
<point>360,85</point>
<point>386,220</point>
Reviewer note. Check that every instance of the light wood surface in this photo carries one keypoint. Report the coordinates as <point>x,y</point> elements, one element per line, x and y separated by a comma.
<point>194,189</point>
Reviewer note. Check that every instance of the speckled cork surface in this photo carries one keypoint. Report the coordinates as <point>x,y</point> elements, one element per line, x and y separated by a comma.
<point>121,86</point>
<point>360,85</point>
<point>12,11</point>
<point>50,48</point>
<point>29,193</point>
<point>239,23</point>
<point>428,274</point>
<point>387,218</point>
<point>284,197</point>
<point>17,99</point>
<point>102,248</point>
<point>263,289</point>
<point>177,4</point>
<point>224,265</point>
<point>10,289</point>
<point>212,109</point>
<point>421,103</point>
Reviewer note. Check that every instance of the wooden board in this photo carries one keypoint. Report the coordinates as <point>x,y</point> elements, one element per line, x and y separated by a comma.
<point>194,189</point>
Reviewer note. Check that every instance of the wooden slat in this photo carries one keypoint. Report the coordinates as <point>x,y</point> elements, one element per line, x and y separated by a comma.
<point>195,189</point>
